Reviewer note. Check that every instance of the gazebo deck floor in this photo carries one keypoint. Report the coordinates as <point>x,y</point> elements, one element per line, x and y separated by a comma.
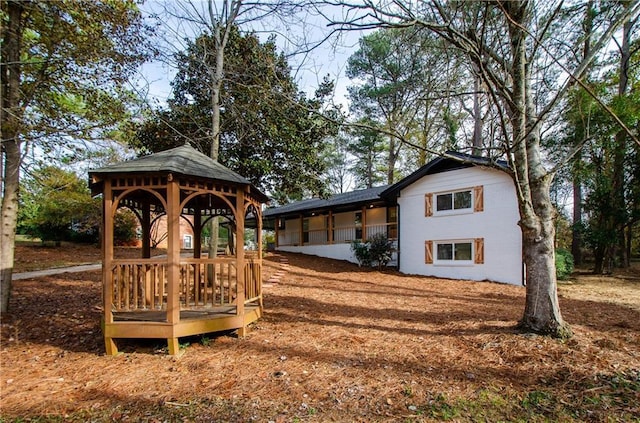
<point>209,313</point>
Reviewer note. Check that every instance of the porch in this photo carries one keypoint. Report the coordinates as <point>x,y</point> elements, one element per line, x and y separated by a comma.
<point>336,235</point>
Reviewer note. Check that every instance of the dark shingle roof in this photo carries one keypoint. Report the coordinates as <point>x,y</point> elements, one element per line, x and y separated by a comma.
<point>451,161</point>
<point>352,198</point>
<point>184,160</point>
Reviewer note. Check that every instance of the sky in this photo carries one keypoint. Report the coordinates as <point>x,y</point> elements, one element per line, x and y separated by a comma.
<point>330,58</point>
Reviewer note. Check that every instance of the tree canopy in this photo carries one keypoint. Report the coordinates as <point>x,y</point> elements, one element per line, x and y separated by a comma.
<point>270,132</point>
<point>65,68</point>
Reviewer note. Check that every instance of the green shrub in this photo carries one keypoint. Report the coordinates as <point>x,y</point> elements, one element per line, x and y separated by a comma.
<point>564,263</point>
<point>361,251</point>
<point>125,224</point>
<point>376,250</point>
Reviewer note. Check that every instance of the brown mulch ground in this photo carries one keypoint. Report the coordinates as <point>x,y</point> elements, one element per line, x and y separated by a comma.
<point>337,343</point>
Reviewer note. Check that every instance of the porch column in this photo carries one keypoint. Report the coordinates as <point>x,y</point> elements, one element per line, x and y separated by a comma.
<point>330,228</point>
<point>173,258</point>
<point>301,230</point>
<point>364,223</point>
<point>277,232</point>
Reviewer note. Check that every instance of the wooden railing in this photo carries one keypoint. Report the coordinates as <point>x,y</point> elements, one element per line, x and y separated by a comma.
<point>252,281</point>
<point>138,285</point>
<point>340,234</point>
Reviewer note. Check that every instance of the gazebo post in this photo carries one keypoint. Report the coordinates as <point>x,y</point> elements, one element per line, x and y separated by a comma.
<point>259,236</point>
<point>197,233</point>
<point>107,258</point>
<point>240,262</point>
<point>173,259</point>
<point>146,229</point>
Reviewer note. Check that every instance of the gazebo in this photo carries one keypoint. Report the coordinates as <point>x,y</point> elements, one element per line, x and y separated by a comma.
<point>174,296</point>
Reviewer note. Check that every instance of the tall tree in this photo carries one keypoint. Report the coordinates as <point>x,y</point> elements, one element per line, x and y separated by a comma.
<point>521,63</point>
<point>64,66</point>
<point>338,176</point>
<point>611,179</point>
<point>270,132</point>
<point>579,136</point>
<point>389,74</point>
<point>368,147</point>
<point>413,87</point>
<point>56,205</point>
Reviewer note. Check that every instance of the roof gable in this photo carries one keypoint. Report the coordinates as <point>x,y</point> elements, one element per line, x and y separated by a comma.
<point>452,161</point>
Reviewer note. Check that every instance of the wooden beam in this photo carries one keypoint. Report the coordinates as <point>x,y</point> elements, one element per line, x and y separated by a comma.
<point>173,250</point>
<point>301,230</point>
<point>107,260</point>
<point>364,223</point>
<point>197,233</point>
<point>146,229</point>
<point>240,262</point>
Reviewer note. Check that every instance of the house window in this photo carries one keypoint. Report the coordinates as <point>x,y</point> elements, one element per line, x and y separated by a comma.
<point>459,200</point>
<point>188,242</point>
<point>281,223</point>
<point>455,252</point>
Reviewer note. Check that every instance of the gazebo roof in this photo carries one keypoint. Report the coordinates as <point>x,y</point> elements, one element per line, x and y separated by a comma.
<point>184,160</point>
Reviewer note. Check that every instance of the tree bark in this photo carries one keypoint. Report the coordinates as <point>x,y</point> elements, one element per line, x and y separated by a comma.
<point>477,117</point>
<point>577,229</point>
<point>620,149</point>
<point>576,233</point>
<point>222,28</point>
<point>542,312</point>
<point>10,119</point>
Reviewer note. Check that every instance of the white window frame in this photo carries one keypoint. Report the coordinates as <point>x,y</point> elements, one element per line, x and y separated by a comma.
<point>453,211</point>
<point>187,245</point>
<point>453,261</point>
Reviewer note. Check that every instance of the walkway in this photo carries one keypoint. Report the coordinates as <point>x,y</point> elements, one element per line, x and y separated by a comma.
<point>275,279</point>
<point>57,271</point>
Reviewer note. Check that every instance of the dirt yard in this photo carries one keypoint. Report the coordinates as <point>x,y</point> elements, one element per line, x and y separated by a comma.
<point>337,343</point>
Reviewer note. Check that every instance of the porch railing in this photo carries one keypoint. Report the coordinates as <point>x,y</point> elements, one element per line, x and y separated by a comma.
<point>139,285</point>
<point>340,234</point>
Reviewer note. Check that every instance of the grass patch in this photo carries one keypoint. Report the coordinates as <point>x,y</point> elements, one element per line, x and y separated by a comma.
<point>605,398</point>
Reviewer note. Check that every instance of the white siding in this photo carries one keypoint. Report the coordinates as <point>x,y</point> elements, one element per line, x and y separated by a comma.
<point>497,225</point>
<point>340,251</point>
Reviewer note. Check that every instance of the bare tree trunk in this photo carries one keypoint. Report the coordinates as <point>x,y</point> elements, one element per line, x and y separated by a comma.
<point>477,118</point>
<point>620,149</point>
<point>391,160</point>
<point>222,29</point>
<point>10,132</point>
<point>576,233</point>
<point>542,311</point>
